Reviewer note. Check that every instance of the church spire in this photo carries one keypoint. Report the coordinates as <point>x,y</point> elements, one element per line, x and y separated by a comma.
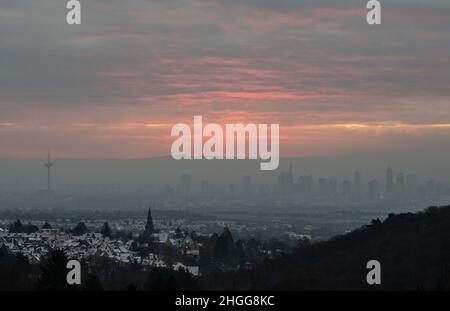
<point>149,228</point>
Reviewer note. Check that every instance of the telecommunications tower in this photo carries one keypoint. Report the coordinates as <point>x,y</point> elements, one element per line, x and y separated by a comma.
<point>48,165</point>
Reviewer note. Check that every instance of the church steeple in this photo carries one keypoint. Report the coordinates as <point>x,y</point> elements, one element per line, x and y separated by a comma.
<point>149,228</point>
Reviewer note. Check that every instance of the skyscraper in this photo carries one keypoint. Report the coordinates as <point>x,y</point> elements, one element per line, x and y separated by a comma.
<point>374,191</point>
<point>411,183</point>
<point>346,188</point>
<point>389,180</point>
<point>400,183</point>
<point>332,186</point>
<point>286,181</point>
<point>186,183</point>
<point>357,185</point>
<point>323,187</point>
<point>205,186</point>
<point>247,185</point>
<point>306,184</point>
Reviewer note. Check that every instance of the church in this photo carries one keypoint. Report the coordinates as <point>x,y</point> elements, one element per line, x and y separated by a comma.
<point>146,237</point>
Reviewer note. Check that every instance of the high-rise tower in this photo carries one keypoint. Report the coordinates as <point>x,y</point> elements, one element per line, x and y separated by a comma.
<point>357,185</point>
<point>389,180</point>
<point>48,165</point>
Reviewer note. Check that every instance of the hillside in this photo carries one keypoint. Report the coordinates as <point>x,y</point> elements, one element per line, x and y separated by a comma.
<point>413,249</point>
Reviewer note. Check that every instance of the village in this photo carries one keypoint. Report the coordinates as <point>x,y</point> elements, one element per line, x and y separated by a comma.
<point>36,245</point>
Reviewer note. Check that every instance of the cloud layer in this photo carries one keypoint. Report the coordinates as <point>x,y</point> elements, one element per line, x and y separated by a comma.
<point>113,86</point>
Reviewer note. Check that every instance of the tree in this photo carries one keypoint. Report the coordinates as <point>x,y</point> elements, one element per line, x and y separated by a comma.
<point>16,227</point>
<point>162,279</point>
<point>4,251</point>
<point>80,229</point>
<point>105,230</point>
<point>130,288</point>
<point>241,253</point>
<point>172,284</point>
<point>53,272</point>
<point>23,263</point>
<point>92,283</point>
<point>30,228</point>
<point>46,226</point>
<point>225,244</point>
<point>178,233</point>
<point>156,279</point>
<point>15,271</point>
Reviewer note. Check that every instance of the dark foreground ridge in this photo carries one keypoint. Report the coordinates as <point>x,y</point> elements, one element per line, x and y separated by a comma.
<point>413,249</point>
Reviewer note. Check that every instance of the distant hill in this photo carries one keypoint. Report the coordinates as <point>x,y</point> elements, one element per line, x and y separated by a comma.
<point>413,249</point>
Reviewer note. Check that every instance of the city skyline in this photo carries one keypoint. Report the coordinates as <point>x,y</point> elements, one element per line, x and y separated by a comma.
<point>396,185</point>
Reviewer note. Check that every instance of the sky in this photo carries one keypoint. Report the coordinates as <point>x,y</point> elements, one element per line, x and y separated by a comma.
<point>114,86</point>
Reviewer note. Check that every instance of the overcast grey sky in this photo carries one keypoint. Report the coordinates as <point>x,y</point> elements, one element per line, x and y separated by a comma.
<point>113,86</point>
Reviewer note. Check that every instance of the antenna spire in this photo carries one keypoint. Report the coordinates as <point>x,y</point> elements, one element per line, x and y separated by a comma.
<point>48,165</point>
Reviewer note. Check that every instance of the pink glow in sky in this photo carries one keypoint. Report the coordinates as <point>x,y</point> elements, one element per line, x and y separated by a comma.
<point>114,86</point>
